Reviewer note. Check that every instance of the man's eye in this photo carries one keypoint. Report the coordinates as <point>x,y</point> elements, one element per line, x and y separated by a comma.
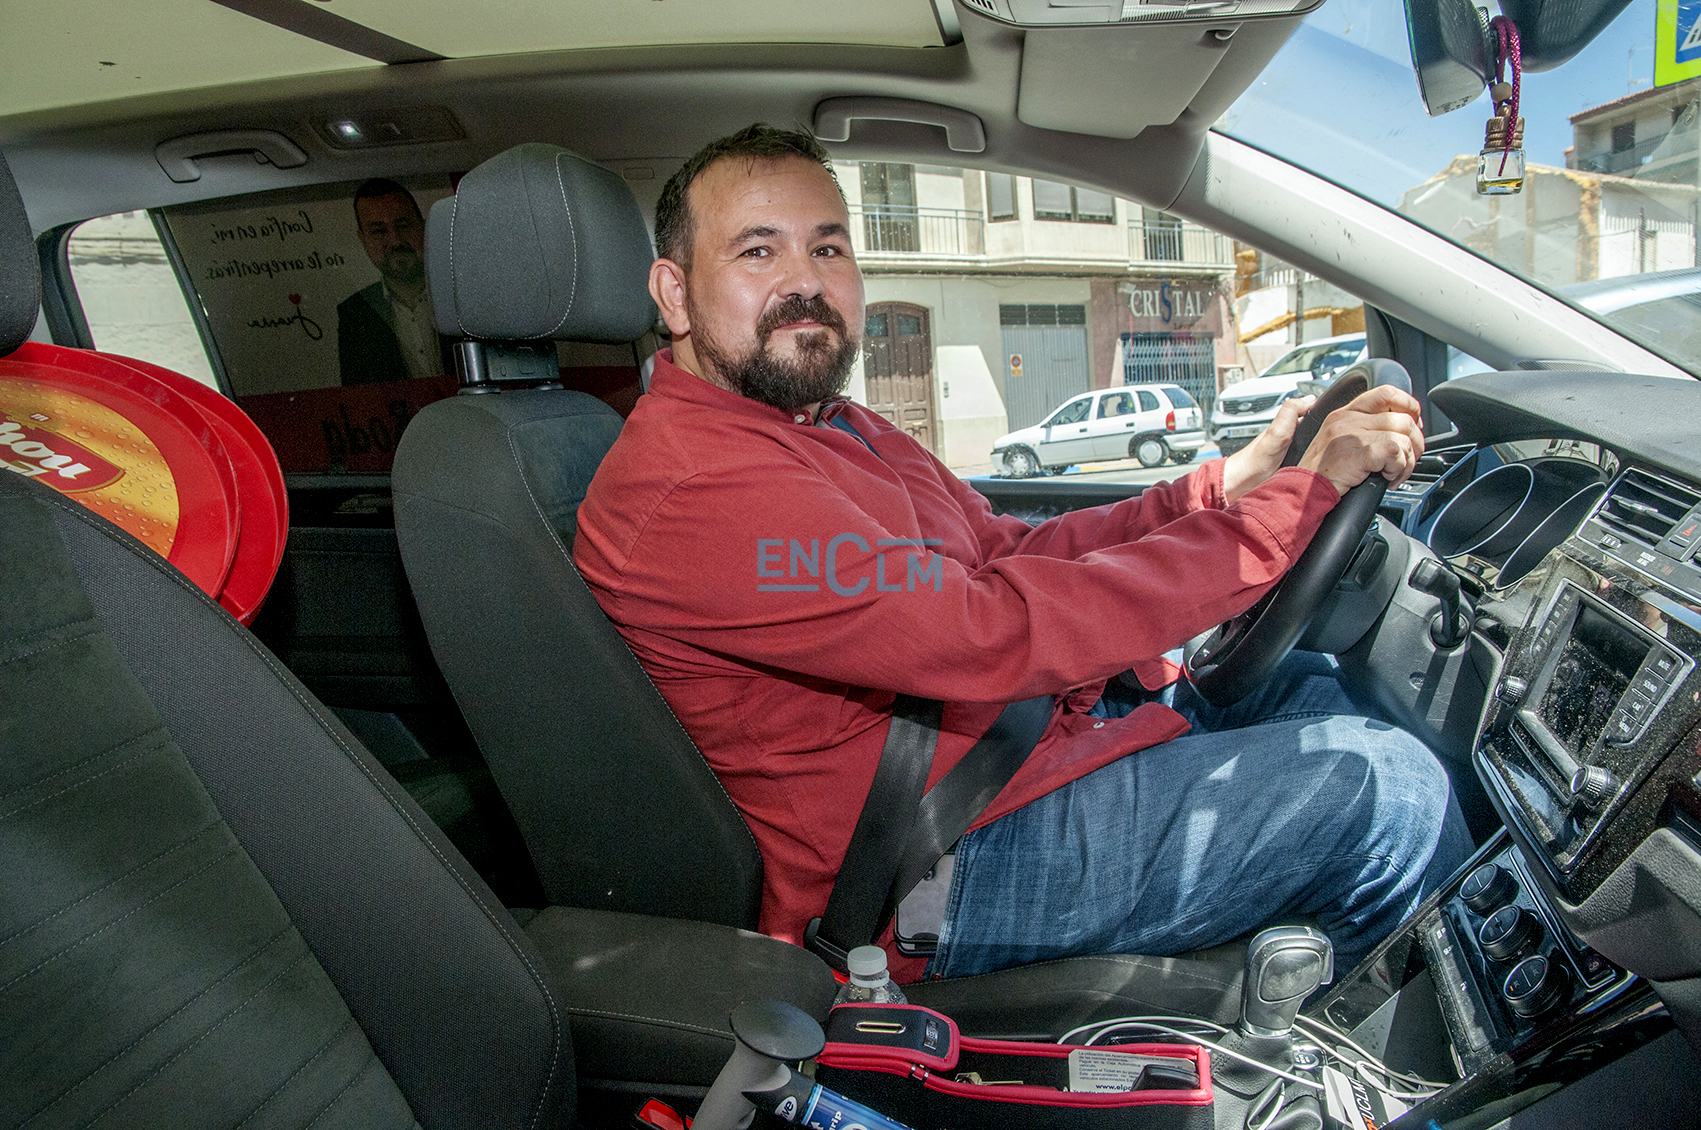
<point>756,252</point>
<point>830,250</point>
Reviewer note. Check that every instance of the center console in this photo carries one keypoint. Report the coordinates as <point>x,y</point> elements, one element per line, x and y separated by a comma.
<point>1541,960</point>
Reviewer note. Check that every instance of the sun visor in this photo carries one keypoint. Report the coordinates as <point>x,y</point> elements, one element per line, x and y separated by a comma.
<point>1115,82</point>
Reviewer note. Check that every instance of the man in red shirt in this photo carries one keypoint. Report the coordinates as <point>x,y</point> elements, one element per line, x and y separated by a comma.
<point>783,578</point>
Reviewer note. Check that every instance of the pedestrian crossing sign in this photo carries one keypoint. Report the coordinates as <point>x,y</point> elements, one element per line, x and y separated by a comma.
<point>1677,41</point>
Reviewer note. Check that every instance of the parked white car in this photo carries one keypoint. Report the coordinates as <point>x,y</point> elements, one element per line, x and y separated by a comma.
<point>1151,423</point>
<point>1245,409</point>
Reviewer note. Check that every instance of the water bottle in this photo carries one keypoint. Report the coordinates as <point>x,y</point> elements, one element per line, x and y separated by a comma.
<point>869,982</point>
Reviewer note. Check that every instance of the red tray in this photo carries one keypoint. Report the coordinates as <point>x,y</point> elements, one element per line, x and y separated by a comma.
<point>153,462</point>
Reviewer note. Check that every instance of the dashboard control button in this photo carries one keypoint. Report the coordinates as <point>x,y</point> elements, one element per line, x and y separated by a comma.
<point>1512,690</point>
<point>1650,685</point>
<point>1637,706</point>
<point>1622,729</point>
<point>1594,785</point>
<point>1508,933</point>
<point>1664,664</point>
<point>1534,986</point>
<point>1487,887</point>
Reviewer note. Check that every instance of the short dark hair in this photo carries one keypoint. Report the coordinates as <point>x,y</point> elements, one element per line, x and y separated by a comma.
<point>675,226</point>
<point>382,186</point>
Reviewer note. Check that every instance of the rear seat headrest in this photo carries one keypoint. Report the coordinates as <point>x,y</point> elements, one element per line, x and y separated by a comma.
<point>537,243</point>
<point>20,272</point>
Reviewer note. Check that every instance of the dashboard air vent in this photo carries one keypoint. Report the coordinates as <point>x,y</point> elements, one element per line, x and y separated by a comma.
<point>986,6</point>
<point>1645,508</point>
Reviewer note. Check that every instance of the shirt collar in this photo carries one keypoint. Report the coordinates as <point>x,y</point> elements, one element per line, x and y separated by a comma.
<point>671,381</point>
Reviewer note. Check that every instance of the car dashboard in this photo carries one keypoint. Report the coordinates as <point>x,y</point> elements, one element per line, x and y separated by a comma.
<point>1573,935</point>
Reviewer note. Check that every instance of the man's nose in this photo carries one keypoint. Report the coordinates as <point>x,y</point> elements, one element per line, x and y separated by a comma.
<point>802,277</point>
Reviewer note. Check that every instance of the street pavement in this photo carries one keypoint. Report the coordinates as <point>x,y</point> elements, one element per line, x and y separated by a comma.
<point>1114,471</point>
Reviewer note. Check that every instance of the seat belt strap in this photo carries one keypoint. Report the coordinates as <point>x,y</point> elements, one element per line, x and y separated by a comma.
<point>856,909</point>
<point>901,833</point>
<point>966,790</point>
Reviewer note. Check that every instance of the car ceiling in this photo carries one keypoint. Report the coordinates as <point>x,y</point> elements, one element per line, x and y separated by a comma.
<point>1123,107</point>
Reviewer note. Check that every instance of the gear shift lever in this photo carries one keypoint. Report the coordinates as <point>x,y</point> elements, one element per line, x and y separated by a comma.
<point>1284,965</point>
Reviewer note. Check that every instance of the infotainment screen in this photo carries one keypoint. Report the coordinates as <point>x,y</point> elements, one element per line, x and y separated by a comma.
<point>1594,669</point>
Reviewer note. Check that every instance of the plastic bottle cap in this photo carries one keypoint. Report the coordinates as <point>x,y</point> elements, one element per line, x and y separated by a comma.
<point>867,962</point>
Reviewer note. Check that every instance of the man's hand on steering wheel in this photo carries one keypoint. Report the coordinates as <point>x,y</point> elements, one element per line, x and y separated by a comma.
<point>1379,432</point>
<point>1262,457</point>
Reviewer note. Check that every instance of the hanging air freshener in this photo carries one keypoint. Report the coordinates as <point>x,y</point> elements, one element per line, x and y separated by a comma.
<point>1500,165</point>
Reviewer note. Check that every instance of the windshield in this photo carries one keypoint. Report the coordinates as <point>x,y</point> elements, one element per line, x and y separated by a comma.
<point>1607,215</point>
<point>1316,358</point>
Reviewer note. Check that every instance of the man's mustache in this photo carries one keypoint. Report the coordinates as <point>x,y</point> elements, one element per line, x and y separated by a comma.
<point>796,308</point>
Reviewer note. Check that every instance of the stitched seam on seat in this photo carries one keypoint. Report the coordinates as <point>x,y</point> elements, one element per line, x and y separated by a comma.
<point>157,732</point>
<point>133,910</point>
<point>151,731</point>
<point>192,1044</point>
<point>281,1087</point>
<point>166,1019</point>
<point>561,548</point>
<point>657,1021</point>
<point>68,907</point>
<point>93,627</point>
<point>338,1097</point>
<point>572,234</point>
<point>454,283</point>
<point>158,565</point>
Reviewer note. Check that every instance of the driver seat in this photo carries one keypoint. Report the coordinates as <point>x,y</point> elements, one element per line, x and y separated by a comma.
<point>616,804</point>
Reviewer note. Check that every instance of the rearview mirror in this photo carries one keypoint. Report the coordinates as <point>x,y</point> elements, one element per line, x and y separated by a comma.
<point>1453,54</point>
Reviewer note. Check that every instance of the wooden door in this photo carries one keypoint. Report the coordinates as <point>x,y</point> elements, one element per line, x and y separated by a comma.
<point>897,352</point>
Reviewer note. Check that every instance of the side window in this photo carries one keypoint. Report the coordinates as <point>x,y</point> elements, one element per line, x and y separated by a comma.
<point>1115,404</point>
<point>318,305</point>
<point>1073,412</point>
<point>130,296</point>
<point>1148,401</point>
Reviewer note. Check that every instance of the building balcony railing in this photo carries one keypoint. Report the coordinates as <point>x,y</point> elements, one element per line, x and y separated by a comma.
<point>1677,143</point>
<point>887,229</point>
<point>893,232</point>
<point>1178,242</point>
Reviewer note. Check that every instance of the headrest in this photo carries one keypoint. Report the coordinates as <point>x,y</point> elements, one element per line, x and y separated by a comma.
<point>20,273</point>
<point>540,243</point>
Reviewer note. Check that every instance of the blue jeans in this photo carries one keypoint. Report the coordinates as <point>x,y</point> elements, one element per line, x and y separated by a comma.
<point>1286,803</point>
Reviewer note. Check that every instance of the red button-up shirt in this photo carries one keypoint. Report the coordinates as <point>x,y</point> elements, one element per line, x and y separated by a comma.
<point>754,560</point>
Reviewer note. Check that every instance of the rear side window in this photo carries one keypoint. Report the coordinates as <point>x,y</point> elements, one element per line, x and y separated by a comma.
<point>1148,401</point>
<point>1178,396</point>
<point>317,303</point>
<point>130,296</point>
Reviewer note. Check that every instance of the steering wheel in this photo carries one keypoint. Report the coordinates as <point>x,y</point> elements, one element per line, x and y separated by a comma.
<point>1228,662</point>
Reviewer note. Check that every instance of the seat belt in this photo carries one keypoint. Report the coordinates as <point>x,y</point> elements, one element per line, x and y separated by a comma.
<point>900,832</point>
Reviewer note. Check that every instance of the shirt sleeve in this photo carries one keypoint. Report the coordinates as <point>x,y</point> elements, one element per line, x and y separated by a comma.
<point>788,573</point>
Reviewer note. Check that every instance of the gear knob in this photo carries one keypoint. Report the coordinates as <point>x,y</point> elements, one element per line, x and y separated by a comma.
<point>1284,965</point>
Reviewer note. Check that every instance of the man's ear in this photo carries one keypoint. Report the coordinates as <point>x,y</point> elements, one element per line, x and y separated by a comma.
<point>667,287</point>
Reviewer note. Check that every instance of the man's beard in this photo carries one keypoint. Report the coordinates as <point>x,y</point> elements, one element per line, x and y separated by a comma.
<point>403,266</point>
<point>819,371</point>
